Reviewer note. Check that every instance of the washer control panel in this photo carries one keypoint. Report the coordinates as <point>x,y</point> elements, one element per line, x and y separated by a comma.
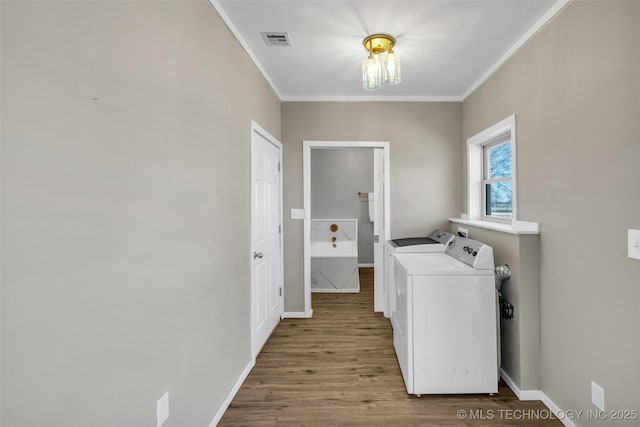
<point>471,252</point>
<point>440,236</point>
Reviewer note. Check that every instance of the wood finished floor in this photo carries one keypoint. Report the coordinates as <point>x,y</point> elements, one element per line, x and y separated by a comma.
<point>340,369</point>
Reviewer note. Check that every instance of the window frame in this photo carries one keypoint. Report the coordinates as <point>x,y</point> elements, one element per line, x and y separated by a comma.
<point>486,167</point>
<point>500,132</point>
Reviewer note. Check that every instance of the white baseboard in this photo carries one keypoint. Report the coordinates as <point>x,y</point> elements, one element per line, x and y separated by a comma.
<point>537,395</point>
<point>366,264</point>
<point>559,413</point>
<point>297,314</point>
<point>223,408</point>
<point>335,291</point>
<point>521,394</point>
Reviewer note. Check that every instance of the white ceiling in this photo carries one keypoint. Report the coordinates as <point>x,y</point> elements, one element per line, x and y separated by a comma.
<point>446,48</point>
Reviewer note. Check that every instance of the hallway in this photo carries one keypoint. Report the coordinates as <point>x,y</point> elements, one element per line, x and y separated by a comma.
<point>340,369</point>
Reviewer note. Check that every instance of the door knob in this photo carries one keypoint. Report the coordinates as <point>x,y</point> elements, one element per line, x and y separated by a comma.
<point>257,255</point>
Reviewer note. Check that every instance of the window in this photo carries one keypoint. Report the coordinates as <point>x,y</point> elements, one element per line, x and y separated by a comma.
<point>496,181</point>
<point>491,172</point>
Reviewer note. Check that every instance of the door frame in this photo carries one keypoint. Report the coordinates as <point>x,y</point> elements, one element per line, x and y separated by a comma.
<point>257,130</point>
<point>307,146</point>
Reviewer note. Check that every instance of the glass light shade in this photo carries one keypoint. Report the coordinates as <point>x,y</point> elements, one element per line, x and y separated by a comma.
<point>372,73</point>
<point>392,69</point>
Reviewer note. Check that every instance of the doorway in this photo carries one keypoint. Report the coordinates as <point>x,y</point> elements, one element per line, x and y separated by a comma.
<point>381,225</point>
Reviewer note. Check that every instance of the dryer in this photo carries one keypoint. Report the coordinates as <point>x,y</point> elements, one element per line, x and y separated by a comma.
<point>444,325</point>
<point>437,241</point>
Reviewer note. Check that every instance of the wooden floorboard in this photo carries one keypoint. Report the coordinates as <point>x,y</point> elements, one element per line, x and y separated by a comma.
<point>339,368</point>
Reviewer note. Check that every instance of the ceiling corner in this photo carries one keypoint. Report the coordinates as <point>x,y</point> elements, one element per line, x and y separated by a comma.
<point>236,33</point>
<point>528,35</point>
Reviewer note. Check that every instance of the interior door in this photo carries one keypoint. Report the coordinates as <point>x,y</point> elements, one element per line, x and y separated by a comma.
<point>266,257</point>
<point>379,176</point>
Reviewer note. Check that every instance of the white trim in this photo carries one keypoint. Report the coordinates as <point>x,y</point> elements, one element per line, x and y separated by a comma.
<point>330,145</point>
<point>532,31</point>
<point>259,130</point>
<point>560,414</point>
<point>372,98</point>
<point>537,395</point>
<point>366,264</point>
<point>475,165</point>
<point>232,393</point>
<point>339,220</point>
<point>234,30</point>
<point>520,394</point>
<point>307,146</point>
<point>497,129</point>
<point>335,291</point>
<point>297,314</point>
<point>517,227</point>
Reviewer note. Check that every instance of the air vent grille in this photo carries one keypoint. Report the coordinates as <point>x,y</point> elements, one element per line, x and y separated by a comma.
<point>276,39</point>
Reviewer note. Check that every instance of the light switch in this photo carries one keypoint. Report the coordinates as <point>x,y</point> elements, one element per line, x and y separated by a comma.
<point>162,409</point>
<point>634,244</point>
<point>297,213</point>
<point>597,396</point>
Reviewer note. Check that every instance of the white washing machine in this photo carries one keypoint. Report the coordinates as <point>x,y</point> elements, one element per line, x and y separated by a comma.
<point>444,327</point>
<point>437,241</point>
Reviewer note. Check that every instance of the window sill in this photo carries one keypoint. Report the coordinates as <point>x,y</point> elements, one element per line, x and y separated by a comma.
<point>516,227</point>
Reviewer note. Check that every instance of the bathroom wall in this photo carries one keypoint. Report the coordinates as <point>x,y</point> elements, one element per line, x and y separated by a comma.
<point>576,93</point>
<point>125,211</point>
<point>425,165</point>
<point>336,178</point>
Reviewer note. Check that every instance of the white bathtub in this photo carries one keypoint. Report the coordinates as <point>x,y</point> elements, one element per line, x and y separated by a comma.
<point>348,249</point>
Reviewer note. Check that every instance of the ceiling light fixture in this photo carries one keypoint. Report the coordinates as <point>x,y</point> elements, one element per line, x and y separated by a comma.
<point>377,69</point>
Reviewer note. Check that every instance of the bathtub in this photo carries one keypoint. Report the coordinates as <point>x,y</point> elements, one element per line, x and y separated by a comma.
<point>334,255</point>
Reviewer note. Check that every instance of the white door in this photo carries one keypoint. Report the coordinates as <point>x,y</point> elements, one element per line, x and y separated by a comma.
<point>266,232</point>
<point>379,292</point>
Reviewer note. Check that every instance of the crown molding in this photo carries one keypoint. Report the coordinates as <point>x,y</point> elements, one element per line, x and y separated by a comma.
<point>234,30</point>
<point>532,31</point>
<point>371,98</point>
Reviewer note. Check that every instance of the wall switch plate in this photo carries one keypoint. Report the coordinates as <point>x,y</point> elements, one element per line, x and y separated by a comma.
<point>162,409</point>
<point>597,396</point>
<point>297,213</point>
<point>634,244</point>
<point>463,232</point>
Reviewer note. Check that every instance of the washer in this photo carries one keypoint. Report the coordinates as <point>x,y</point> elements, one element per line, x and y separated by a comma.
<point>434,242</point>
<point>437,241</point>
<point>444,326</point>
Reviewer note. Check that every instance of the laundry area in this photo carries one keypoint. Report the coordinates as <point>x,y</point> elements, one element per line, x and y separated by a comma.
<point>319,213</point>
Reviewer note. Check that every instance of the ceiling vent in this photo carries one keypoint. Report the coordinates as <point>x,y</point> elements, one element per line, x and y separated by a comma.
<point>276,39</point>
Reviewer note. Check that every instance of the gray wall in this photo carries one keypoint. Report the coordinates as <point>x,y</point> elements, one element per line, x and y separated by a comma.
<point>425,165</point>
<point>575,90</point>
<point>125,211</point>
<point>336,178</point>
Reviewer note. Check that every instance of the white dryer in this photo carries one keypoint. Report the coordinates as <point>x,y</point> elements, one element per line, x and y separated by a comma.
<point>444,326</point>
<point>437,241</point>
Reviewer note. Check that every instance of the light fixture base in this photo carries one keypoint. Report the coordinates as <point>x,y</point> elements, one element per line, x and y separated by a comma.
<point>378,43</point>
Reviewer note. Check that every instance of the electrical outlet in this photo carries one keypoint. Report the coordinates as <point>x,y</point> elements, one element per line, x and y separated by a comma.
<point>162,409</point>
<point>597,396</point>
<point>463,232</point>
<point>634,244</point>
